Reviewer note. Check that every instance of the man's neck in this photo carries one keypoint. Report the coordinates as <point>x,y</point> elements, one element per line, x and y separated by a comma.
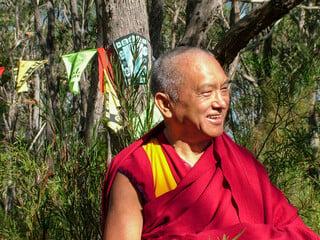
<point>188,150</point>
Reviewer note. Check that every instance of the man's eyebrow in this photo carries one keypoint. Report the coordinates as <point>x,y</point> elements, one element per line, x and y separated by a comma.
<point>227,81</point>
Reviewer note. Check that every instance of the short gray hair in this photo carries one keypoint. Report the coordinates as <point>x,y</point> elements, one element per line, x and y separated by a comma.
<point>166,77</point>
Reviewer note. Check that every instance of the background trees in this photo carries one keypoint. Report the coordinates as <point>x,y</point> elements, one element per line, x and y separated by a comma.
<point>54,144</point>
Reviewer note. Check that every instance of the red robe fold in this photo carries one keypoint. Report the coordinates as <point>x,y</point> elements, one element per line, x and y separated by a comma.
<point>227,192</point>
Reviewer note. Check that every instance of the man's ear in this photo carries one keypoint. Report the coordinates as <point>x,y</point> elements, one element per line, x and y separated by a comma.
<point>163,103</point>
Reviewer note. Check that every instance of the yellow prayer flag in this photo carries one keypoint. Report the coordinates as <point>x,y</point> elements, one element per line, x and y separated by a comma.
<point>26,68</point>
<point>112,105</point>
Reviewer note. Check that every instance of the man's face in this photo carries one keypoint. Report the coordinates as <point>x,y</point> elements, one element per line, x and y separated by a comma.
<point>203,103</point>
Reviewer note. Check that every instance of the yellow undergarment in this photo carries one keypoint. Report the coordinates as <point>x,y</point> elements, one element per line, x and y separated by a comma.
<point>162,175</point>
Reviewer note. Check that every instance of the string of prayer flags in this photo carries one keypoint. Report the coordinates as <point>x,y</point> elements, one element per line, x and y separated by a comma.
<point>112,106</point>
<point>1,70</point>
<point>75,64</point>
<point>104,68</point>
<point>25,70</point>
<point>133,54</point>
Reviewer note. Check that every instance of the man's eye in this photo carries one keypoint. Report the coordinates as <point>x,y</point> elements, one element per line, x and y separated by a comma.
<point>225,88</point>
<point>206,93</point>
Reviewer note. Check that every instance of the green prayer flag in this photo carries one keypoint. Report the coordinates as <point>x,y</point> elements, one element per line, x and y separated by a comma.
<point>75,64</point>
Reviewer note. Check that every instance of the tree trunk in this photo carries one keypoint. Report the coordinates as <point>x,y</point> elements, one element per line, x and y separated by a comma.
<point>156,16</point>
<point>95,101</point>
<point>115,19</point>
<point>124,17</point>
<point>84,83</point>
<point>37,28</point>
<point>95,105</point>
<point>234,18</point>
<point>75,25</point>
<point>101,26</point>
<point>200,16</point>
<point>37,86</point>
<point>314,127</point>
<point>36,109</point>
<point>248,27</point>
<point>52,85</point>
<point>174,28</point>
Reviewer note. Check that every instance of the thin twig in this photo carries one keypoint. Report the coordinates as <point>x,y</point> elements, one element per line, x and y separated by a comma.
<point>37,136</point>
<point>309,7</point>
<point>172,11</point>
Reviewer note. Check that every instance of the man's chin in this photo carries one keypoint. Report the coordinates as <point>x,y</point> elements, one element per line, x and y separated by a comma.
<point>216,133</point>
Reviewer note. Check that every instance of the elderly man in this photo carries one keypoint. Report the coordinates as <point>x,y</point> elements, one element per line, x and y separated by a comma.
<point>186,179</point>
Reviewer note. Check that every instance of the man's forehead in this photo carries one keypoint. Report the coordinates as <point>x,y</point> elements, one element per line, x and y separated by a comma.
<point>195,58</point>
<point>195,61</point>
<point>193,55</point>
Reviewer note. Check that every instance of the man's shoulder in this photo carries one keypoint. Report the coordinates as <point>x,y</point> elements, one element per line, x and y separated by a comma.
<point>127,153</point>
<point>135,150</point>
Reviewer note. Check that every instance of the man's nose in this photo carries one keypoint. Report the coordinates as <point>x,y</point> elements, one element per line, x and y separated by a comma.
<point>218,100</point>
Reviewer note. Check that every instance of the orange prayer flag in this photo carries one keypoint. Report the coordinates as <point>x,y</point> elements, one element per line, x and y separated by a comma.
<point>104,67</point>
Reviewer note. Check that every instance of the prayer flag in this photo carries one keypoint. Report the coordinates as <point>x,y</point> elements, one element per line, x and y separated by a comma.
<point>104,65</point>
<point>133,53</point>
<point>1,70</point>
<point>75,64</point>
<point>26,68</point>
<point>112,106</point>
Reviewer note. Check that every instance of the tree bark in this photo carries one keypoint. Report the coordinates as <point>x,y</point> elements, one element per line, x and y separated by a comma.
<point>156,16</point>
<point>234,18</point>
<point>37,28</point>
<point>37,87</point>
<point>75,25</point>
<point>200,16</point>
<point>115,19</point>
<point>36,109</point>
<point>174,28</point>
<point>314,127</point>
<point>52,85</point>
<point>84,83</point>
<point>240,34</point>
<point>124,17</point>
<point>101,26</point>
<point>95,105</point>
<point>95,102</point>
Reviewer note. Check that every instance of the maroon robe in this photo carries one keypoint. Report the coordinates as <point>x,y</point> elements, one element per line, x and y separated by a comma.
<point>227,192</point>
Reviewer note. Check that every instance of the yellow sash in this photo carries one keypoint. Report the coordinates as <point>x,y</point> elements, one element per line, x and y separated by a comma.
<point>162,176</point>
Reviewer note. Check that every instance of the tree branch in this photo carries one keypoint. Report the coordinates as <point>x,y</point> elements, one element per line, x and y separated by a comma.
<point>310,7</point>
<point>248,27</point>
<point>175,24</point>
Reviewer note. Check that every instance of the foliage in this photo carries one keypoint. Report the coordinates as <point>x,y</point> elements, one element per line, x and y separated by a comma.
<point>50,188</point>
<point>47,189</point>
<point>276,123</point>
